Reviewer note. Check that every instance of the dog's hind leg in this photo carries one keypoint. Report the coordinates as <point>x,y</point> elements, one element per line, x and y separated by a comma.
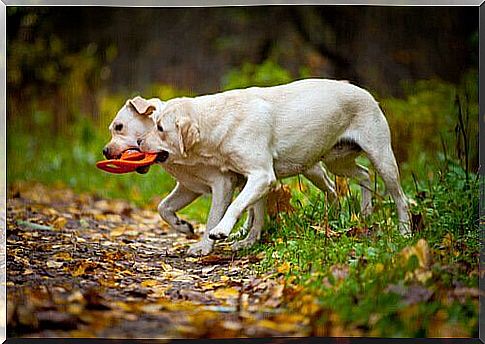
<point>319,177</point>
<point>375,141</point>
<point>176,200</point>
<point>258,211</point>
<point>385,164</point>
<point>348,167</point>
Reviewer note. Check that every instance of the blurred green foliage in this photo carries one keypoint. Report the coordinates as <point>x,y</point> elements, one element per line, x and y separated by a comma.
<point>269,73</point>
<point>424,123</point>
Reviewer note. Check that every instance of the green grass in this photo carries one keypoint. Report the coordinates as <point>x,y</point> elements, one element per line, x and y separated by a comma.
<point>379,294</point>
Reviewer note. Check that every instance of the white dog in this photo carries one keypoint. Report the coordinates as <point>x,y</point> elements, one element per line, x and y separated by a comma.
<point>276,132</point>
<point>134,120</point>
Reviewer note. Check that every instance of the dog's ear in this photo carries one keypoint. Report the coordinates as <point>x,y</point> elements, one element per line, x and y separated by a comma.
<point>142,106</point>
<point>188,134</point>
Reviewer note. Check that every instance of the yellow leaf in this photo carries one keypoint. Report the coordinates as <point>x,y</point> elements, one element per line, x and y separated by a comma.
<point>110,283</point>
<point>191,259</point>
<point>59,223</point>
<point>277,326</point>
<point>341,186</point>
<point>284,268</point>
<point>75,308</point>
<point>183,278</point>
<point>117,231</point>
<point>81,268</point>
<point>149,283</point>
<point>63,256</point>
<point>124,306</point>
<point>420,250</point>
<point>327,230</point>
<point>211,285</point>
<point>126,272</point>
<point>226,293</point>
<point>166,267</point>
<point>99,217</point>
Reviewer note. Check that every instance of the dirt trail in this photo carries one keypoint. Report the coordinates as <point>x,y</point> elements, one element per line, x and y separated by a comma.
<point>85,267</point>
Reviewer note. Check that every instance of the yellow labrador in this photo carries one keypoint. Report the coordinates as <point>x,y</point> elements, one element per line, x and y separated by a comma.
<point>275,132</point>
<point>134,120</point>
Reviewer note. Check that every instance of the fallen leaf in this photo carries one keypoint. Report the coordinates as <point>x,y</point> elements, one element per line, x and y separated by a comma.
<point>149,283</point>
<point>341,186</point>
<point>54,264</point>
<point>279,200</point>
<point>59,223</point>
<point>226,293</point>
<point>82,267</point>
<point>117,231</point>
<point>284,268</point>
<point>66,256</point>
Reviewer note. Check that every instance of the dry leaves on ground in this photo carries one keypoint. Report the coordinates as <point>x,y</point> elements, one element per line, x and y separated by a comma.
<point>83,267</point>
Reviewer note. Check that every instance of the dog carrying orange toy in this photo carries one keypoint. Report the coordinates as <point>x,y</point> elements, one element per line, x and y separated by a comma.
<point>130,161</point>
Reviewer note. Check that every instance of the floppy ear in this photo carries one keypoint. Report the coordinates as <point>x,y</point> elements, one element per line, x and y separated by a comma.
<point>142,106</point>
<point>188,134</point>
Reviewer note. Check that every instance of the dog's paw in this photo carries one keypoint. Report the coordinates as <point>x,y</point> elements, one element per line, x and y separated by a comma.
<point>202,248</point>
<point>217,233</point>
<point>183,226</point>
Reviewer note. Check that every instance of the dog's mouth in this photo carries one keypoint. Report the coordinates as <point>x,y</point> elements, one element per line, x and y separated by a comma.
<point>162,156</point>
<point>140,170</point>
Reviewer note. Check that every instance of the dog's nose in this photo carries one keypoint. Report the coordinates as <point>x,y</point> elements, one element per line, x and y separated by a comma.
<point>106,152</point>
<point>139,141</point>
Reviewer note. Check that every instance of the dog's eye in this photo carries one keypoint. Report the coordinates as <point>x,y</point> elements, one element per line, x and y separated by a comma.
<point>118,127</point>
<point>160,128</point>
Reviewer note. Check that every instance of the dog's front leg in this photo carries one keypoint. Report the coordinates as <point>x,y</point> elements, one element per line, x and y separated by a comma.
<point>176,200</point>
<point>222,191</point>
<point>257,186</point>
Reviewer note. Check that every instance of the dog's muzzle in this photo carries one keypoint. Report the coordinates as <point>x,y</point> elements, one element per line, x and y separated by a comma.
<point>162,156</point>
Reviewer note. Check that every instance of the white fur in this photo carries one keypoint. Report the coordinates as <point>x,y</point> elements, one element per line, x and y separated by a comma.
<point>275,132</point>
<point>194,180</point>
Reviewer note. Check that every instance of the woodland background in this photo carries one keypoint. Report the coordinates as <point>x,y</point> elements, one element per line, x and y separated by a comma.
<point>69,70</point>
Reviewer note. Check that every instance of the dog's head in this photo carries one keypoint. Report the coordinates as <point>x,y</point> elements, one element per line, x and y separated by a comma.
<point>131,123</point>
<point>175,131</point>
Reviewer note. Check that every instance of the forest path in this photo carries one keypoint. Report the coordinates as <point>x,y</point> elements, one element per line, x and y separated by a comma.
<point>80,266</point>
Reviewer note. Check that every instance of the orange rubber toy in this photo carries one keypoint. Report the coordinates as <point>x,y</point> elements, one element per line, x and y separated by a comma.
<point>130,161</point>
